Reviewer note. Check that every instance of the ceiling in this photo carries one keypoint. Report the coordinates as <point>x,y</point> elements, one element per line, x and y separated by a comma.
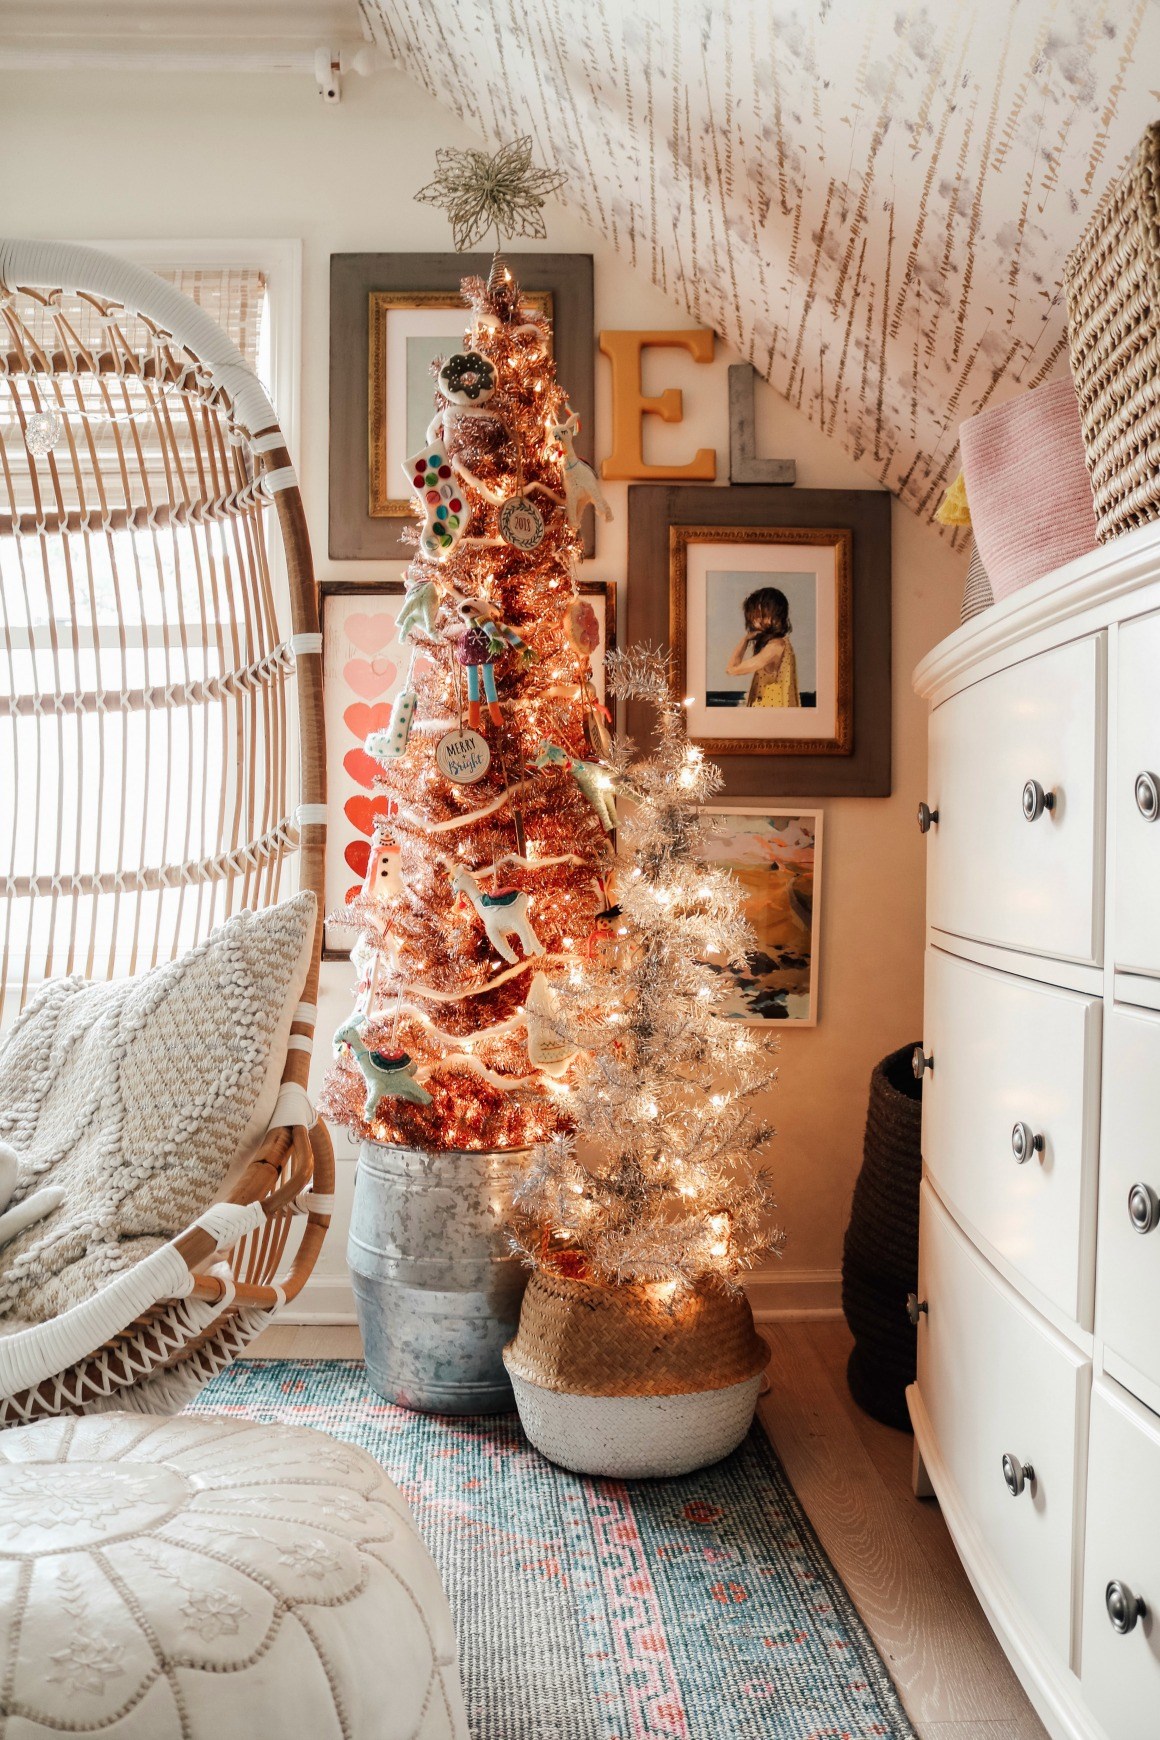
<point>872,201</point>
<point>180,33</point>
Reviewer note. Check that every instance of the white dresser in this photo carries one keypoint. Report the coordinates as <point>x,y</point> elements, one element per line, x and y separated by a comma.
<point>1037,1406</point>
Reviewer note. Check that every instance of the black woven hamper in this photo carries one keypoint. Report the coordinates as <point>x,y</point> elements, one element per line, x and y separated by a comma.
<point>880,1254</point>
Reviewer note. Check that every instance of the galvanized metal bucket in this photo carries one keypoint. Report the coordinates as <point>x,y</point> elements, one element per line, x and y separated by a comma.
<point>436,1292</point>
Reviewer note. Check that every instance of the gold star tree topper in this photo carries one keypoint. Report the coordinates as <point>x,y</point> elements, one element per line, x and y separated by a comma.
<point>505,192</point>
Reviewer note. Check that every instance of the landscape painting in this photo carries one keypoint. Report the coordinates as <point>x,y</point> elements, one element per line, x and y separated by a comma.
<point>776,858</point>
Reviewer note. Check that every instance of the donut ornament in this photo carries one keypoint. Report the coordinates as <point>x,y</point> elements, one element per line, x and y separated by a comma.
<point>467,379</point>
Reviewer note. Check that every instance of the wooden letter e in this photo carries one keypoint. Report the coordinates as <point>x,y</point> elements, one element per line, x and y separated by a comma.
<point>629,405</point>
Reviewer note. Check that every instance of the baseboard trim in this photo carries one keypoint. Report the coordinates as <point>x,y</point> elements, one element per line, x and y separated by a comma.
<point>780,1295</point>
<point>776,1295</point>
<point>324,1299</point>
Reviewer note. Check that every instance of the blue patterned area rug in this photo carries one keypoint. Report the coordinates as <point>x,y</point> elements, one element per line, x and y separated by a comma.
<point>695,1609</point>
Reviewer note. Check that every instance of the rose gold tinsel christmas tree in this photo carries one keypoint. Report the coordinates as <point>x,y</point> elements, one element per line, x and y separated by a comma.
<point>487,882</point>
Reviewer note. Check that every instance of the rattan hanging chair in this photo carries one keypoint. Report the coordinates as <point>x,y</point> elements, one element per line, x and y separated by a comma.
<point>161,755</point>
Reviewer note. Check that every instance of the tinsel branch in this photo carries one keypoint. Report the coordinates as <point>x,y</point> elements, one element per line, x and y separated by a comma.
<point>661,1179</point>
<point>441,1027</point>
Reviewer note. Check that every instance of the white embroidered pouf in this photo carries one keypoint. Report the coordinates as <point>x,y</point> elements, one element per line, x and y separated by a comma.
<point>203,1578</point>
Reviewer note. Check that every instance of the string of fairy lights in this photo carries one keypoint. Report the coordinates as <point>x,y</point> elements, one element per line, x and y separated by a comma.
<point>541,939</point>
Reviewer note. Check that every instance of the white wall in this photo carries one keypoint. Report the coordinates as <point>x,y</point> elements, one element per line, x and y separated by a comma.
<point>259,155</point>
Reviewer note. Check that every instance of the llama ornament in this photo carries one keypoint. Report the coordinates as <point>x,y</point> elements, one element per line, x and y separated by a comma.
<point>581,484</point>
<point>503,914</point>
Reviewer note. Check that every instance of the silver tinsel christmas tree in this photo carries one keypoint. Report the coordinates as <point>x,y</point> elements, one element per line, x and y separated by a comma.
<point>659,1180</point>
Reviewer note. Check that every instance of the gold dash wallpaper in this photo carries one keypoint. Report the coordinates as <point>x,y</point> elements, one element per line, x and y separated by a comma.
<point>872,202</point>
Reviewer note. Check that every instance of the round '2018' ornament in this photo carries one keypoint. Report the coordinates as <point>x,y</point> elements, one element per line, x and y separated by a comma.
<point>521,523</point>
<point>463,756</point>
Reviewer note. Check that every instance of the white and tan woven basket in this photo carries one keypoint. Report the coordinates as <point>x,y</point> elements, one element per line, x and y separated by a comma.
<point>977,593</point>
<point>631,1382</point>
<point>636,1437</point>
<point>1113,328</point>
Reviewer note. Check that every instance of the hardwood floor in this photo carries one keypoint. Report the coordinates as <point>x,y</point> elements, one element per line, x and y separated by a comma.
<point>891,1550</point>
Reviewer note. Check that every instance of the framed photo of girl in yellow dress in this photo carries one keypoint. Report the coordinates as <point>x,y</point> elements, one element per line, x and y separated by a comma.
<point>761,632</point>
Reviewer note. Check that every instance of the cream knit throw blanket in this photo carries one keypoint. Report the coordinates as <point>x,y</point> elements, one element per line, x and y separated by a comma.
<point>135,1097</point>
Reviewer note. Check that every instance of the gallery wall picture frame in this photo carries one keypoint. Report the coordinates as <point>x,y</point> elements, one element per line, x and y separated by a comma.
<point>364,666</point>
<point>775,852</point>
<point>407,329</point>
<point>390,314</point>
<point>727,585</point>
<point>720,523</point>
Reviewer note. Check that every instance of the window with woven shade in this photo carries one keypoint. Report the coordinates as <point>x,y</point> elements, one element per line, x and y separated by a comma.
<point>144,742</point>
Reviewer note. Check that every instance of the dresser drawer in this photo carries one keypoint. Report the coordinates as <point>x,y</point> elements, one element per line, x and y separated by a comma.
<point>1120,1670</point>
<point>993,874</point>
<point>1136,797</point>
<point>996,1380</point>
<point>1016,1063</point>
<point>1128,1259</point>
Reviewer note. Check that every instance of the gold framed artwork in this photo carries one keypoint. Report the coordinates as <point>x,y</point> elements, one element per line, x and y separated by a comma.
<point>390,316</point>
<point>761,628</point>
<point>406,331</point>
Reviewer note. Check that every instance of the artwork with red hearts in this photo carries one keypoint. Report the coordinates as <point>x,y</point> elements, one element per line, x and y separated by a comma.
<point>364,666</point>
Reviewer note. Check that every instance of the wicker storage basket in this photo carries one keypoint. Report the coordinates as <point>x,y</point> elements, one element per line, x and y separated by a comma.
<point>977,594</point>
<point>1027,483</point>
<point>624,1382</point>
<point>880,1255</point>
<point>1113,329</point>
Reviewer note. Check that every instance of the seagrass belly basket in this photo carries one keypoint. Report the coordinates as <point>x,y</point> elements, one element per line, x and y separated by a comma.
<point>632,1381</point>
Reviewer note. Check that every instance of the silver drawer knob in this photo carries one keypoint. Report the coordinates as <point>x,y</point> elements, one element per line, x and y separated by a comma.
<point>1123,1607</point>
<point>1147,796</point>
<point>1025,1143</point>
<point>916,1308</point>
<point>1016,1474</point>
<point>1036,800</point>
<point>920,1062</point>
<point>927,818</point>
<point>1143,1208</point>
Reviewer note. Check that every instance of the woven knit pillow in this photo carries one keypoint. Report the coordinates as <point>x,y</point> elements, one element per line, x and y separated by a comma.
<point>138,1096</point>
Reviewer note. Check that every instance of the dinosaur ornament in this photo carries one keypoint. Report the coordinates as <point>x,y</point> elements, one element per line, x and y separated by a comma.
<point>594,781</point>
<point>388,1074</point>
